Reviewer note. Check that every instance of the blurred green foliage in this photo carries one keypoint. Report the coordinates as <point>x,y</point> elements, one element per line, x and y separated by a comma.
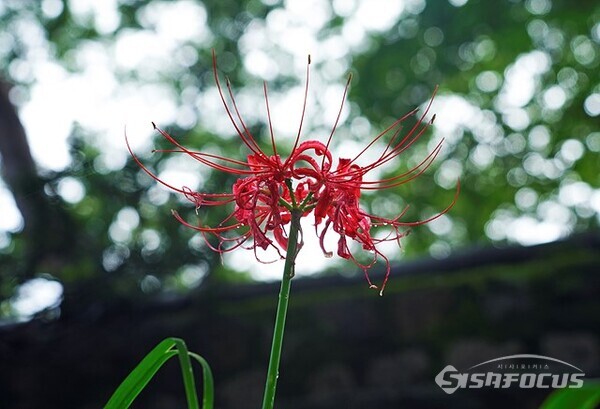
<point>503,155</point>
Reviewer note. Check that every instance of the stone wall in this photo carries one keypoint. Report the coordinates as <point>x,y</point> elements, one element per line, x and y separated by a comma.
<point>345,347</point>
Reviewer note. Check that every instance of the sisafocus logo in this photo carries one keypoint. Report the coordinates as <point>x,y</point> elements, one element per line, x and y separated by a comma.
<point>525,371</point>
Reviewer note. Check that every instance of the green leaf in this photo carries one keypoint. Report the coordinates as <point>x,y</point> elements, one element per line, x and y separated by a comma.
<point>208,384</point>
<point>586,397</point>
<point>188,374</point>
<point>137,380</point>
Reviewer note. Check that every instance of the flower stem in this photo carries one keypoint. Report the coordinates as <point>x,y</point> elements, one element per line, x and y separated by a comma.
<point>282,305</point>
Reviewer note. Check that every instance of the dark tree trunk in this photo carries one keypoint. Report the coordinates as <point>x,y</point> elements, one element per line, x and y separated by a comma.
<point>47,227</point>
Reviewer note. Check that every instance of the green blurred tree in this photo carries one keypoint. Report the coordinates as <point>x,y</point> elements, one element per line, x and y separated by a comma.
<point>531,157</point>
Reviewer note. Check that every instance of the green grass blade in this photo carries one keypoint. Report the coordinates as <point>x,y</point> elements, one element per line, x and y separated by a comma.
<point>586,397</point>
<point>208,383</point>
<point>137,380</point>
<point>188,374</point>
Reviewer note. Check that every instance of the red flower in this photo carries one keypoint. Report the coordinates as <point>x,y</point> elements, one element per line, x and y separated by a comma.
<point>269,188</point>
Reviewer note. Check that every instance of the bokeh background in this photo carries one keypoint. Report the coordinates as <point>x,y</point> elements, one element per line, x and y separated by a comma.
<point>86,237</point>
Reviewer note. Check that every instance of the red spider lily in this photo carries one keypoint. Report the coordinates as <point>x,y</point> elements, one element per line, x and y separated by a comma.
<point>270,188</point>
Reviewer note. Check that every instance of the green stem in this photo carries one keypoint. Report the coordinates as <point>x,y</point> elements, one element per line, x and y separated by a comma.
<point>282,305</point>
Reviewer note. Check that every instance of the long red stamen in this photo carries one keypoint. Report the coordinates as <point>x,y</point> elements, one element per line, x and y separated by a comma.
<point>247,133</point>
<point>228,111</point>
<point>339,114</point>
<point>303,107</point>
<point>269,118</point>
<point>198,157</point>
<point>383,133</point>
